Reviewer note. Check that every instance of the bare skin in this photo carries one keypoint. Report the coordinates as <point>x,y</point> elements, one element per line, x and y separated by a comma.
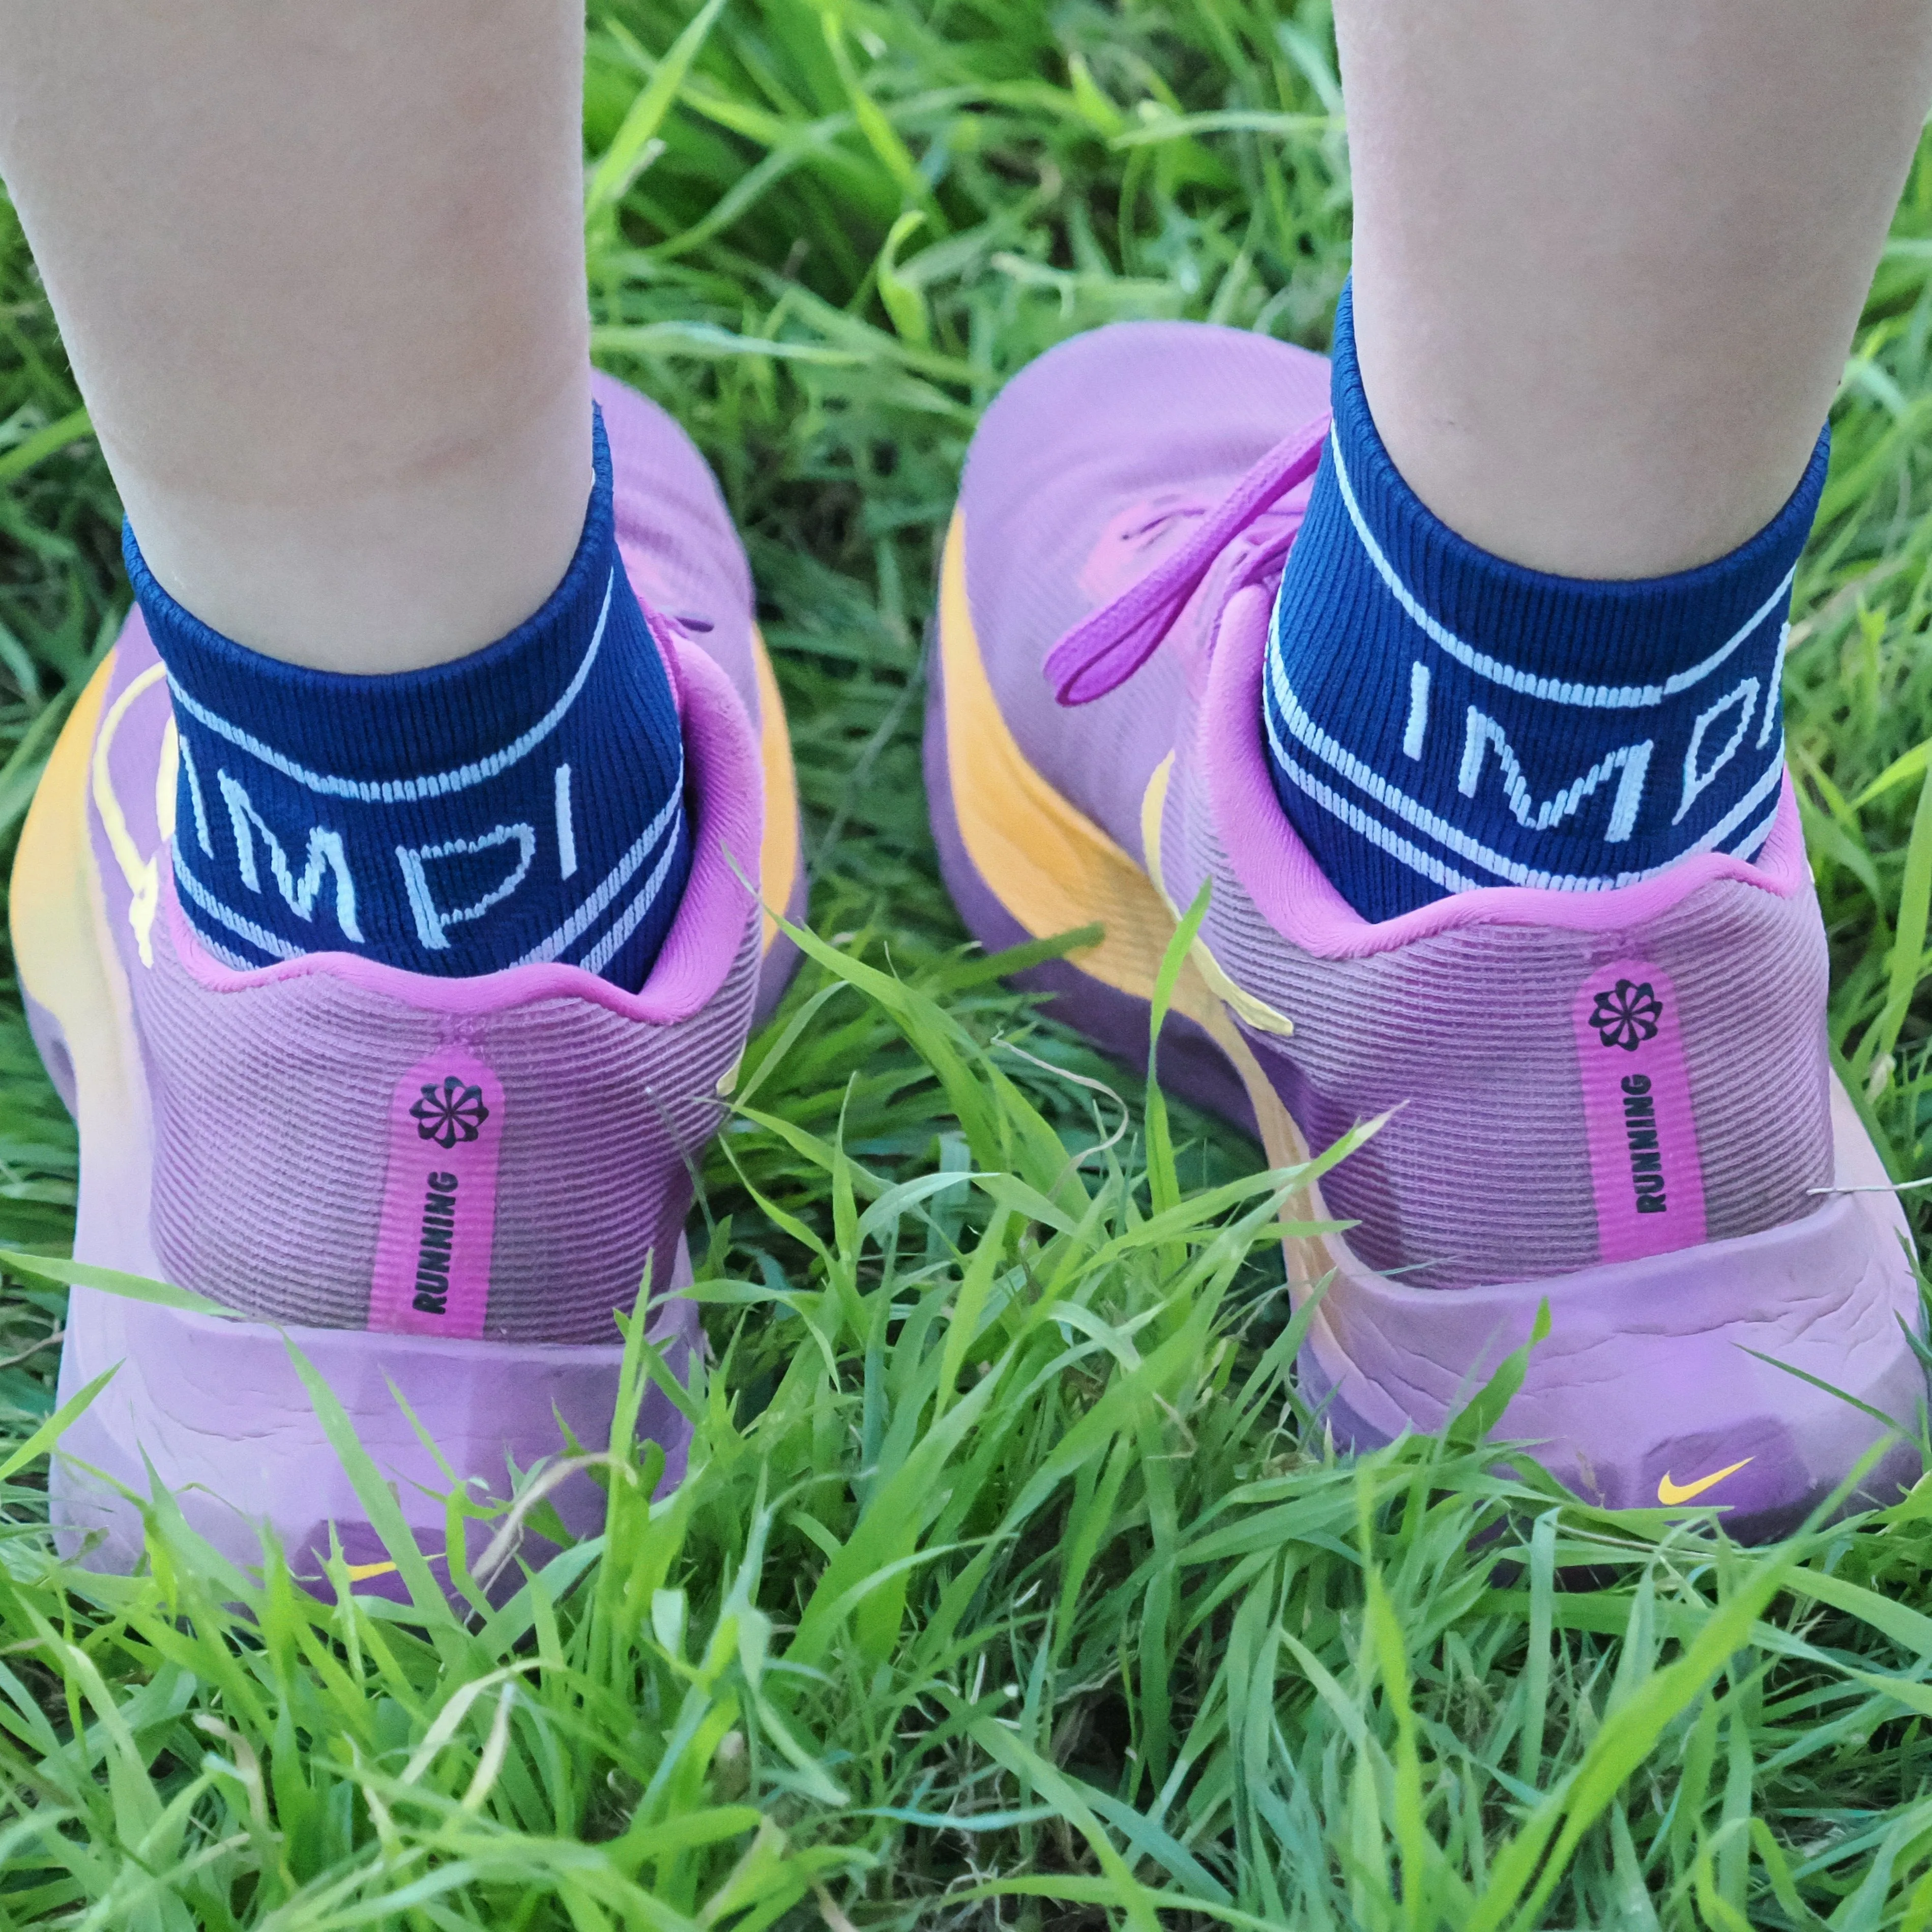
<point>1609,258</point>
<point>320,270</point>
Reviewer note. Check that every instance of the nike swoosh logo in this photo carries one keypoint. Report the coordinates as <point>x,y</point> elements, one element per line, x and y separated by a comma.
<point>1670,1494</point>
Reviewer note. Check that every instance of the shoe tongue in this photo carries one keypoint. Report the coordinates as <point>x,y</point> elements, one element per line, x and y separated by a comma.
<point>1107,647</point>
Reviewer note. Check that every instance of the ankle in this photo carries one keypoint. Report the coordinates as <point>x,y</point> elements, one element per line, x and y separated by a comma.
<point>1440,720</point>
<point>369,561</point>
<point>522,804</point>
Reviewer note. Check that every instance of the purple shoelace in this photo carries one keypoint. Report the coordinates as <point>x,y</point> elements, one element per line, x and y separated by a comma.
<point>1107,647</point>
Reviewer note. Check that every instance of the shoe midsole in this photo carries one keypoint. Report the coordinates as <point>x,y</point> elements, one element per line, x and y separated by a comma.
<point>221,1412</point>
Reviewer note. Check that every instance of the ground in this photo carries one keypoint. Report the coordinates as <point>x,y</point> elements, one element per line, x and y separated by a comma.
<point>1013,1584</point>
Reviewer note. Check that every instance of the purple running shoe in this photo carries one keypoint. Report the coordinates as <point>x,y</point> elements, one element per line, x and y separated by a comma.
<point>1617,1103</point>
<point>439,1190</point>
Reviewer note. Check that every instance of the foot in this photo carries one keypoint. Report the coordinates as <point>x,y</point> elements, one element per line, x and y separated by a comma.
<point>1616,1103</point>
<point>445,1184</point>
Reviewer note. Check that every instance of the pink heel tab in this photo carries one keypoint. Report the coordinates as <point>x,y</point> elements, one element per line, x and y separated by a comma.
<point>725,790</point>
<point>664,634</point>
<point>1277,871</point>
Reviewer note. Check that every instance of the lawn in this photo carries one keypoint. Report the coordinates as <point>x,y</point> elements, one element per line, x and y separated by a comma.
<point>1013,1584</point>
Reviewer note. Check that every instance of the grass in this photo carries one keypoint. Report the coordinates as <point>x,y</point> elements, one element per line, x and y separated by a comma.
<point>1013,1585</point>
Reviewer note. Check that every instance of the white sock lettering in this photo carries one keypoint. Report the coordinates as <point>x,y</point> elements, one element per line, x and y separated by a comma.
<point>325,854</point>
<point>1695,782</point>
<point>432,922</point>
<point>1633,760</point>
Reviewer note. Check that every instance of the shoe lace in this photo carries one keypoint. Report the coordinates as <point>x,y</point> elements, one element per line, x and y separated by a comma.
<point>687,624</point>
<point>1108,646</point>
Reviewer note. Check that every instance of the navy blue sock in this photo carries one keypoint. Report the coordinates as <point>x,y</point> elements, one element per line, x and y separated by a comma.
<point>523,803</point>
<point>1439,719</point>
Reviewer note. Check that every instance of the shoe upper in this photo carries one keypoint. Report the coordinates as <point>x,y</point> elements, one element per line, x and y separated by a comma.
<point>679,545</point>
<point>336,1143</point>
<point>1094,464</point>
<point>1568,1078</point>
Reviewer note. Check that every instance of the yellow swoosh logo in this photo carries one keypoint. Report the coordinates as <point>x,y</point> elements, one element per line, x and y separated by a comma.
<point>1670,1493</point>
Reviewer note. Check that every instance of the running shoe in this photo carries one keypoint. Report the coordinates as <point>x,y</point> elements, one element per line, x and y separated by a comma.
<point>1615,1105</point>
<point>437,1191</point>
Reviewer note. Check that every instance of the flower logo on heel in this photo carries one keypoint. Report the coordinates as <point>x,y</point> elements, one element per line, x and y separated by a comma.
<point>453,1112</point>
<point>1627,1014</point>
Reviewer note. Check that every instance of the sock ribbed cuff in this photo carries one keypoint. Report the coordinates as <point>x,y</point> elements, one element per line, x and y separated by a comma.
<point>1440,719</point>
<point>523,803</point>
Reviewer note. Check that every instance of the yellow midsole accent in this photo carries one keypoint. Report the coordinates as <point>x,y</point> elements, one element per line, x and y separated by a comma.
<point>69,965</point>
<point>1258,1014</point>
<point>53,920</point>
<point>1282,1142</point>
<point>1052,867</point>
<point>143,875</point>
<point>778,853</point>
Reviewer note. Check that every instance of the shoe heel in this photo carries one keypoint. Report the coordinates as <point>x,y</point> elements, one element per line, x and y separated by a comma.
<point>1650,1392</point>
<point>216,1413</point>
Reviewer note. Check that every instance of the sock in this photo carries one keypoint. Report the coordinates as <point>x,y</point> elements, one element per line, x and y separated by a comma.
<point>1439,719</point>
<point>523,803</point>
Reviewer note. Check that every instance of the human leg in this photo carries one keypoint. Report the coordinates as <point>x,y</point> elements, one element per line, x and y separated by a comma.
<point>1608,259</point>
<point>1609,263</point>
<point>320,271</point>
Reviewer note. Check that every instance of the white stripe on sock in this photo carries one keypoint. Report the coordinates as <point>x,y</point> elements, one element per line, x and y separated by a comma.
<point>566,828</point>
<point>244,927</point>
<point>1590,697</point>
<point>601,954</point>
<point>614,881</point>
<point>402,791</point>
<point>235,961</point>
<point>1357,820</point>
<point>1431,824</point>
<point>1747,846</point>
